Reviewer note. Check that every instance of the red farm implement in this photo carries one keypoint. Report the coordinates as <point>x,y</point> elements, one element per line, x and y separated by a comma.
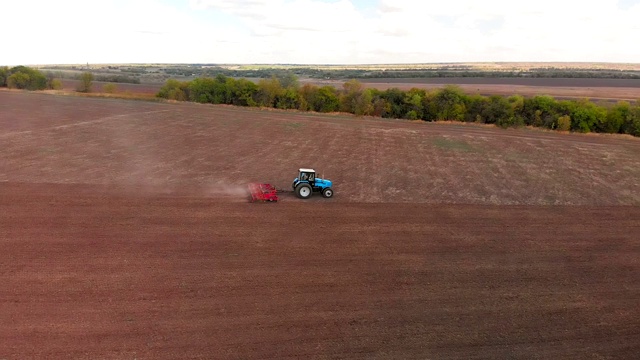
<point>263,192</point>
<point>303,186</point>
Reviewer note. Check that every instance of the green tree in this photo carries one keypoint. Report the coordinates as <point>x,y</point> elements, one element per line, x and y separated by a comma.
<point>351,91</point>
<point>617,115</point>
<point>381,107</point>
<point>476,105</point>
<point>396,100</point>
<point>499,111</point>
<point>540,111</point>
<point>565,107</point>
<point>289,80</point>
<point>517,107</point>
<point>430,106</point>
<point>289,99</point>
<point>242,92</point>
<point>86,82</point>
<point>269,90</point>
<point>202,90</point>
<point>564,123</point>
<point>308,96</point>
<point>327,100</point>
<point>363,103</point>
<point>413,104</point>
<point>222,91</point>
<point>587,116</point>
<point>174,90</point>
<point>450,103</point>
<point>22,77</point>
<point>631,124</point>
<point>19,80</point>
<point>211,90</point>
<point>4,74</point>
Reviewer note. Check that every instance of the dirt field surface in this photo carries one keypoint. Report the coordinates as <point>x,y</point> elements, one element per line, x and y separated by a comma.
<point>87,273</point>
<point>544,82</point>
<point>125,234</point>
<point>576,92</point>
<point>596,89</point>
<point>146,89</point>
<point>203,149</point>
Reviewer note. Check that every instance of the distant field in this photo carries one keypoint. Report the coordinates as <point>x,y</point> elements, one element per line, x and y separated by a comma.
<point>606,89</point>
<point>147,89</point>
<point>550,82</point>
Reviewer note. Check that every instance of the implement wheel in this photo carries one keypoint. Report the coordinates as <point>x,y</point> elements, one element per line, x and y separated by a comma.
<point>303,191</point>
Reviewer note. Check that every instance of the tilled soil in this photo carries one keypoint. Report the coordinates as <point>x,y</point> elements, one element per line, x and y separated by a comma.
<point>205,149</point>
<point>575,88</point>
<point>89,272</point>
<point>125,233</point>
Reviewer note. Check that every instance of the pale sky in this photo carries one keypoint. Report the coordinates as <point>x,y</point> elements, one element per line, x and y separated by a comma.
<point>318,31</point>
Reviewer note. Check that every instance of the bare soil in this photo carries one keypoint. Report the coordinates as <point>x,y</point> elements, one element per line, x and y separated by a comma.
<point>595,93</point>
<point>596,89</point>
<point>88,272</point>
<point>126,234</point>
<point>202,148</point>
<point>541,82</point>
<point>98,86</point>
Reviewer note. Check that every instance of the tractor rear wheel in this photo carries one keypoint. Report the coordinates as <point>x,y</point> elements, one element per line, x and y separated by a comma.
<point>327,192</point>
<point>303,191</point>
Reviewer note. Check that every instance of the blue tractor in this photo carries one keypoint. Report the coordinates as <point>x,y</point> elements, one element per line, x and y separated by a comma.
<point>307,183</point>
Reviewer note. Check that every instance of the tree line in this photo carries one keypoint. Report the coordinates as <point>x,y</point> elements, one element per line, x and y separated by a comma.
<point>449,103</point>
<point>26,78</point>
<point>22,77</point>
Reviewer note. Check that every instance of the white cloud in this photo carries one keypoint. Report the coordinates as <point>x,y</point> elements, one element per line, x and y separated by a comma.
<point>320,31</point>
<point>305,15</point>
<point>544,30</point>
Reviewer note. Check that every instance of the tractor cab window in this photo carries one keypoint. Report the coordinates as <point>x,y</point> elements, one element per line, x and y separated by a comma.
<point>307,176</point>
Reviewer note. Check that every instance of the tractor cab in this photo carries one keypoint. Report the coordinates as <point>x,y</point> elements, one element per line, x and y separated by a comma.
<point>307,183</point>
<point>307,175</point>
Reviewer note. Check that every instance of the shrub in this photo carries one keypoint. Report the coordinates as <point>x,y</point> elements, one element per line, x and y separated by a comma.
<point>4,74</point>
<point>22,77</point>
<point>109,88</point>
<point>564,123</point>
<point>587,116</point>
<point>174,90</point>
<point>55,84</point>
<point>18,81</point>
<point>86,82</point>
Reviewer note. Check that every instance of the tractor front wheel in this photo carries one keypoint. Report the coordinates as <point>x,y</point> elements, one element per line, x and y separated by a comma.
<point>327,192</point>
<point>303,191</point>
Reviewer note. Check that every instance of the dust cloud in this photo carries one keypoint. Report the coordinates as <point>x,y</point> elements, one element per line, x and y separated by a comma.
<point>222,189</point>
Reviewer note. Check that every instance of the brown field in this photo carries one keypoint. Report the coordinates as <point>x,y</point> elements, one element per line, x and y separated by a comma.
<point>144,89</point>
<point>577,92</point>
<point>596,89</point>
<point>126,234</point>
